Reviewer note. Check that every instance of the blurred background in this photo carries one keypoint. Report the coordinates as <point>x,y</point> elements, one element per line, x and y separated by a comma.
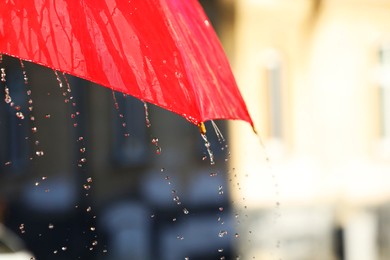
<point>82,179</point>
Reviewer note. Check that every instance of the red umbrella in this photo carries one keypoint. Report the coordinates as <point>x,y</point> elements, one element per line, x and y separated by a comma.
<point>161,51</point>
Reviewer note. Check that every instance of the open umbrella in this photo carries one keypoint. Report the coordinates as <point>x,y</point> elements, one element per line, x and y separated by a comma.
<point>161,51</point>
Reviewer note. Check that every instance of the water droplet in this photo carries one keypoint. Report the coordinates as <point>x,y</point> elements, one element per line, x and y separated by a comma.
<point>155,143</point>
<point>147,120</point>
<point>47,116</point>
<point>64,248</point>
<point>162,169</point>
<point>89,179</point>
<point>89,209</point>
<point>94,243</point>
<point>51,226</point>
<point>39,153</point>
<point>186,211</point>
<point>174,219</point>
<point>178,74</point>
<point>104,251</point>
<point>87,187</point>
<point>220,190</point>
<point>81,138</point>
<point>220,208</point>
<point>21,228</point>
<point>37,183</point>
<point>83,160</point>
<point>236,235</point>
<point>213,174</point>
<point>55,251</point>
<point>207,23</point>
<point>20,115</point>
<point>8,163</point>
<point>220,250</point>
<point>92,228</point>
<point>208,148</point>
<point>3,74</point>
<point>34,129</point>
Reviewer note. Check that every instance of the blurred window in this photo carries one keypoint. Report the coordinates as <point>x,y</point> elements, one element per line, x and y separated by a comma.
<point>273,83</point>
<point>384,59</point>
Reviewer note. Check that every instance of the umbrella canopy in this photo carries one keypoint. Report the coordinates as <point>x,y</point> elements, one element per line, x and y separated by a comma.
<point>161,51</point>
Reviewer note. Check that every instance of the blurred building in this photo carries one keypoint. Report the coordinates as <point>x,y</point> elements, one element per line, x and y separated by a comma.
<point>315,76</point>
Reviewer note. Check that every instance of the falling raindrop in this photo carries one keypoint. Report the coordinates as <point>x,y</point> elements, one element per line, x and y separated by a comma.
<point>89,179</point>
<point>64,248</point>
<point>220,250</point>
<point>220,208</point>
<point>20,115</point>
<point>39,153</point>
<point>21,228</point>
<point>120,115</point>
<point>220,190</point>
<point>51,226</point>
<point>92,228</point>
<point>186,211</point>
<point>213,174</point>
<point>94,243</point>
<point>155,143</point>
<point>89,209</point>
<point>3,75</point>
<point>147,120</point>
<point>218,132</point>
<point>208,148</point>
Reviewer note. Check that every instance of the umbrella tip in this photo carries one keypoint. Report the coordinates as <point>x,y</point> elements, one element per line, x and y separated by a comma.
<point>202,128</point>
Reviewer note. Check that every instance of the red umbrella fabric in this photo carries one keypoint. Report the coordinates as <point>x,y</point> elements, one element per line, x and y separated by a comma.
<point>161,51</point>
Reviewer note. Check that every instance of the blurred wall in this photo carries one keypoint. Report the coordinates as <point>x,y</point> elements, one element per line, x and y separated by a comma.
<point>315,77</point>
